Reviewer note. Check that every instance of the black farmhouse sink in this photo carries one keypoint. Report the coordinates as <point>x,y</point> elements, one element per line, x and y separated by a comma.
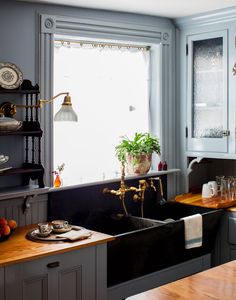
<point>144,245</point>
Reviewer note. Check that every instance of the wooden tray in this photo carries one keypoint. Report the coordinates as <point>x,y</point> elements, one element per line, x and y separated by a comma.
<point>197,200</point>
<point>53,237</point>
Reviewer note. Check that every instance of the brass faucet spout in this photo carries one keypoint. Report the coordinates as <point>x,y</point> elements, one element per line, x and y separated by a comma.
<point>139,192</point>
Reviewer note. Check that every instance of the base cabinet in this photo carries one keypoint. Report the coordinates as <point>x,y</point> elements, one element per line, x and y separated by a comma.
<point>2,283</point>
<point>69,276</point>
<point>226,241</point>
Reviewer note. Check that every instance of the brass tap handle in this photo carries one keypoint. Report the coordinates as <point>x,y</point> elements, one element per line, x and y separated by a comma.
<point>152,185</point>
<point>106,191</point>
<point>161,187</point>
<point>143,182</point>
<point>111,192</point>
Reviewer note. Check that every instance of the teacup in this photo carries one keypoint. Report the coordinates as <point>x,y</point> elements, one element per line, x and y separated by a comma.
<point>207,191</point>
<point>214,187</point>
<point>59,224</point>
<point>44,228</point>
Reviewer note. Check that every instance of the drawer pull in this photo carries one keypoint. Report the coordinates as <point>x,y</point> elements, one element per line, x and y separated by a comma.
<point>54,264</point>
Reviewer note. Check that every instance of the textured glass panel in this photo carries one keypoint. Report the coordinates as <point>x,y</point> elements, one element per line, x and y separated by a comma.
<point>208,88</point>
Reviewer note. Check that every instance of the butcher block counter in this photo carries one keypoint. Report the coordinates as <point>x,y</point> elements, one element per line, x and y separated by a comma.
<point>19,249</point>
<point>218,283</point>
<point>197,200</point>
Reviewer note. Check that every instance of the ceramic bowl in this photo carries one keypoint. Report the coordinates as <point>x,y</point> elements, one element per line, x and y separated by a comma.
<point>9,124</point>
<point>3,159</point>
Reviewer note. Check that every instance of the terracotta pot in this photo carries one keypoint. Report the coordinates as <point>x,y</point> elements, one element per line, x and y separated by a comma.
<point>139,164</point>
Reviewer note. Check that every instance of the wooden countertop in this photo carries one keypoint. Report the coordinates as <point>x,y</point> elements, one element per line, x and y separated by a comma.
<point>18,248</point>
<point>232,209</point>
<point>197,200</point>
<point>218,283</point>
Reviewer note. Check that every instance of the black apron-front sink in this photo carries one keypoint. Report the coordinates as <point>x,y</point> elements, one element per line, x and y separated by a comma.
<point>143,245</point>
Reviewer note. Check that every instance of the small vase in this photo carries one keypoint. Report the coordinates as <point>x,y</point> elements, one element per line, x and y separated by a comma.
<point>57,181</point>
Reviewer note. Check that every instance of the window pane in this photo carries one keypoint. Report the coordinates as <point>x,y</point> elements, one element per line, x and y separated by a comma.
<point>208,88</point>
<point>110,93</point>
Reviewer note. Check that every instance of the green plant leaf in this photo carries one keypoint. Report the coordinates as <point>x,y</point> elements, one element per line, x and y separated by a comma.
<point>142,143</point>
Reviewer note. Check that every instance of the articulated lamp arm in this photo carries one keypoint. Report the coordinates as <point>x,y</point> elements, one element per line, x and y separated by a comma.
<point>66,113</point>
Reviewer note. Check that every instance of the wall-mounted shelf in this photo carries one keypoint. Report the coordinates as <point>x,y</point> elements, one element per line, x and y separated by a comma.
<point>31,132</point>
<point>21,132</point>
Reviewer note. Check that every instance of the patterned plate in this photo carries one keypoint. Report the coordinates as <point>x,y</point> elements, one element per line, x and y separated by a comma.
<point>11,76</point>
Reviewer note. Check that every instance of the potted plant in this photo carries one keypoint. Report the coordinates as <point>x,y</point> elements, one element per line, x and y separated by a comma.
<point>137,153</point>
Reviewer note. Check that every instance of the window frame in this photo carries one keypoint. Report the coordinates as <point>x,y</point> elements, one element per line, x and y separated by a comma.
<point>162,78</point>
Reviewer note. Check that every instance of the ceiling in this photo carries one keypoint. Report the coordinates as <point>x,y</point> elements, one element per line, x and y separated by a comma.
<point>165,8</point>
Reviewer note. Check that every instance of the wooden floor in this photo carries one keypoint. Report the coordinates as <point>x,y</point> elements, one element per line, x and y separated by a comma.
<point>215,284</point>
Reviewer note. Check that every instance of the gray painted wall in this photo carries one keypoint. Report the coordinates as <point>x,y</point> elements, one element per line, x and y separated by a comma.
<point>19,29</point>
<point>19,36</point>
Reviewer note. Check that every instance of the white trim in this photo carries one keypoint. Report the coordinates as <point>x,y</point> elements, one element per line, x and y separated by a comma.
<point>103,29</point>
<point>204,19</point>
<point>172,172</point>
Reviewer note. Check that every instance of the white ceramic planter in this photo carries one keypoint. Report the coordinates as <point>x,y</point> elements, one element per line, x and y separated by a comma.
<point>139,164</point>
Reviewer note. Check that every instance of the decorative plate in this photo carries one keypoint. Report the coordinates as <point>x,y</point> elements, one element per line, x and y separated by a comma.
<point>11,76</point>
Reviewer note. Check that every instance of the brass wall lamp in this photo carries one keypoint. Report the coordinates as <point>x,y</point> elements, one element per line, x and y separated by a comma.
<point>66,112</point>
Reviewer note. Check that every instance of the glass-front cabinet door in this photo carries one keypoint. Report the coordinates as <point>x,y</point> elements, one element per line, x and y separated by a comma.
<point>207,128</point>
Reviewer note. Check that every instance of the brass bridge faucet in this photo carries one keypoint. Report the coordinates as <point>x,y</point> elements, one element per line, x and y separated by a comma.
<point>139,192</point>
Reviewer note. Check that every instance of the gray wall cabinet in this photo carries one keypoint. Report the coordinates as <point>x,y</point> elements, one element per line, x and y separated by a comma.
<point>207,126</point>
<point>71,275</point>
<point>207,94</point>
<point>202,102</point>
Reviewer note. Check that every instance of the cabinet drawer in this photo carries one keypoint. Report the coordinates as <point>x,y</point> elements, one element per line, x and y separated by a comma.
<point>232,231</point>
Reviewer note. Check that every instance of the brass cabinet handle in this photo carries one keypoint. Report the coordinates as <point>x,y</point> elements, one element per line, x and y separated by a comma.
<point>226,132</point>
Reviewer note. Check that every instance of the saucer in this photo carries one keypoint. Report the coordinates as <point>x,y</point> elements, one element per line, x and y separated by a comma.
<point>62,230</point>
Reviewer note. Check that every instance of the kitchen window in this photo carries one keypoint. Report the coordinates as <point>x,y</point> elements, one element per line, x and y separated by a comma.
<point>162,104</point>
<point>109,84</point>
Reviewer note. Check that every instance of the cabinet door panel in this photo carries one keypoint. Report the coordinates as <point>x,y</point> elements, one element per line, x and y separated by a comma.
<point>207,92</point>
<point>70,284</point>
<point>36,286</point>
<point>27,281</point>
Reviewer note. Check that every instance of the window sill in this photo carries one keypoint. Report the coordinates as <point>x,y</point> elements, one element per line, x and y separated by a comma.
<point>128,177</point>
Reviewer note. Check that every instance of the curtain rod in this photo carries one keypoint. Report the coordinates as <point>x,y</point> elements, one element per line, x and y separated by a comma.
<point>101,44</point>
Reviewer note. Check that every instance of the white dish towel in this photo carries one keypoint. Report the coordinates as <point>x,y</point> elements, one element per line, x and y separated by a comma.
<point>193,231</point>
<point>74,235</point>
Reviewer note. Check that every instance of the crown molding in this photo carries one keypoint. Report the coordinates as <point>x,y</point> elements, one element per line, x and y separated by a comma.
<point>210,18</point>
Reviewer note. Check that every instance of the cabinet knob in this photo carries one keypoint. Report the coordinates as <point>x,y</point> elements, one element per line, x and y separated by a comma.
<point>54,264</point>
<point>226,133</point>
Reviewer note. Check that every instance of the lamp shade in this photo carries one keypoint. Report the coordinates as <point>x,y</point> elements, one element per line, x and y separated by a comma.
<point>66,113</point>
